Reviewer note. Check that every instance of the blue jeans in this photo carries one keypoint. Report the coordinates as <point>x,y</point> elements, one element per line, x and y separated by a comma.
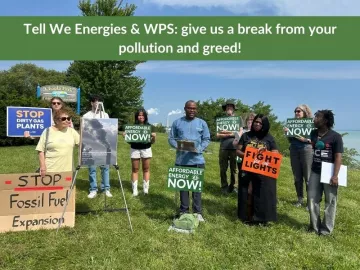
<point>105,182</point>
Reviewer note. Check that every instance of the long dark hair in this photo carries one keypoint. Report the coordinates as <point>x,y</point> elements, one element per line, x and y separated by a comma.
<point>264,128</point>
<point>145,116</point>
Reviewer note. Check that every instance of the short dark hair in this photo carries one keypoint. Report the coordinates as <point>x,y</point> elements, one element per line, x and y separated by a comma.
<point>93,98</point>
<point>145,116</point>
<point>328,116</point>
<point>189,101</point>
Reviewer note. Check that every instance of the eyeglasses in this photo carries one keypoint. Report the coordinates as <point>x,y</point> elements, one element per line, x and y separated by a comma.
<point>297,111</point>
<point>56,103</point>
<point>65,118</point>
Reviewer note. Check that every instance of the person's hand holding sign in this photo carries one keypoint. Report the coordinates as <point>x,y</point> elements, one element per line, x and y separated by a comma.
<point>27,135</point>
<point>334,181</point>
<point>261,150</point>
<point>302,139</point>
<point>153,136</point>
<point>43,171</point>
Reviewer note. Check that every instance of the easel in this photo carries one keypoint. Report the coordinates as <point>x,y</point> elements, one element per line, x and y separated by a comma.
<point>101,106</point>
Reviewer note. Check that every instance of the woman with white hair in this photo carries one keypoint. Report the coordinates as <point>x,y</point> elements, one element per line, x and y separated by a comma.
<point>301,156</point>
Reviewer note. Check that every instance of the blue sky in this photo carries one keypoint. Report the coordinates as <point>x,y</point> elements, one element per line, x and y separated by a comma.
<point>282,84</point>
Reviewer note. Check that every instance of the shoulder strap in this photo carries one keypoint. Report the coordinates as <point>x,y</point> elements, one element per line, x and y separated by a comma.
<point>46,140</point>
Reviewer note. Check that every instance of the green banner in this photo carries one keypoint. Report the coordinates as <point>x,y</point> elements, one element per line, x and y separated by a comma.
<point>299,127</point>
<point>185,179</point>
<point>179,38</point>
<point>229,123</point>
<point>138,133</point>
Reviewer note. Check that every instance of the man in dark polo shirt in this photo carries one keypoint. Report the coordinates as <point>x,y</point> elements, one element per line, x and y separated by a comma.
<point>328,147</point>
<point>227,153</point>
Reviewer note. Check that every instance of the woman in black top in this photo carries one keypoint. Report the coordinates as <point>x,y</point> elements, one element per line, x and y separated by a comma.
<point>143,152</point>
<point>263,187</point>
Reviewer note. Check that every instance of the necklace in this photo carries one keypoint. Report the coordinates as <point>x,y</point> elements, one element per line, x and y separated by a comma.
<point>320,136</point>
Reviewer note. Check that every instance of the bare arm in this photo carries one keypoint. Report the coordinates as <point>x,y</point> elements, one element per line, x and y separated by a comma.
<point>153,136</point>
<point>240,153</point>
<point>337,164</point>
<point>237,137</point>
<point>42,163</point>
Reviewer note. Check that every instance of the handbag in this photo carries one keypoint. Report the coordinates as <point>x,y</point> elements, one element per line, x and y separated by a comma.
<point>46,141</point>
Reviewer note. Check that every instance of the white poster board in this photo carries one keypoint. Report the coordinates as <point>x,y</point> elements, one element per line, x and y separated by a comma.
<point>327,170</point>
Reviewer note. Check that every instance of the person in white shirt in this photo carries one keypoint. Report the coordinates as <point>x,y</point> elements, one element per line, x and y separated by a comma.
<point>97,112</point>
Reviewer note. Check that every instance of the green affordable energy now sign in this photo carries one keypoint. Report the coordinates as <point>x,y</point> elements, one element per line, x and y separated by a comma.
<point>138,133</point>
<point>299,127</point>
<point>185,179</point>
<point>179,38</point>
<point>230,123</point>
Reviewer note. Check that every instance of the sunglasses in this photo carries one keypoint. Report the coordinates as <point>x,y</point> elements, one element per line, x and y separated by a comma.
<point>56,103</point>
<point>297,111</point>
<point>65,118</point>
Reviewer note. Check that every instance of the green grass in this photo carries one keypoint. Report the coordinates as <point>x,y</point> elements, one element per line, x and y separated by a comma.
<point>104,241</point>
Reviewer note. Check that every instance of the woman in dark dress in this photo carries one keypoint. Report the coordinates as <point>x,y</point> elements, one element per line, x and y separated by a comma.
<point>263,201</point>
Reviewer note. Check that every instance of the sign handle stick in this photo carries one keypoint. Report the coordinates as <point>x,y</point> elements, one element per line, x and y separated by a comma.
<point>68,198</point>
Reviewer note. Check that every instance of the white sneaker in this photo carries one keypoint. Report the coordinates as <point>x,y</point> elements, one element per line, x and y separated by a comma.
<point>92,194</point>
<point>146,186</point>
<point>108,194</point>
<point>134,188</point>
<point>200,218</point>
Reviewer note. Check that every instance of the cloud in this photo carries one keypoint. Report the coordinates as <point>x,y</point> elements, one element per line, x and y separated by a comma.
<point>277,7</point>
<point>270,70</point>
<point>153,111</point>
<point>175,112</point>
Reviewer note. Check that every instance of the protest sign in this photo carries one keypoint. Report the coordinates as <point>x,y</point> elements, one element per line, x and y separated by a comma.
<point>137,133</point>
<point>266,163</point>
<point>31,202</point>
<point>299,127</point>
<point>185,179</point>
<point>99,138</point>
<point>27,119</point>
<point>229,123</point>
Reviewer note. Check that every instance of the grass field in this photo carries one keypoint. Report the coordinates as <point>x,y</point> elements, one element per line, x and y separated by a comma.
<point>104,241</point>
